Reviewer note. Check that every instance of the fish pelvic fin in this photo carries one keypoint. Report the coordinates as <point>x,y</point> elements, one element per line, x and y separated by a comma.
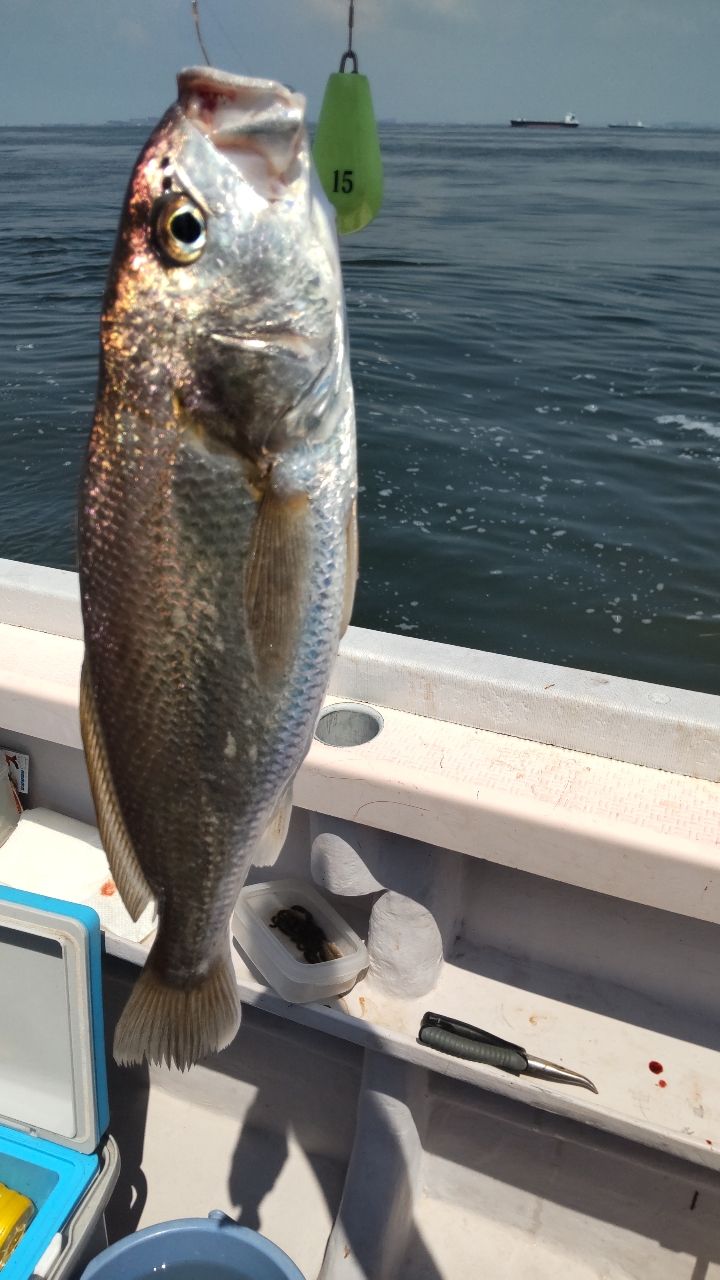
<point>124,866</point>
<point>268,847</point>
<point>175,1025</point>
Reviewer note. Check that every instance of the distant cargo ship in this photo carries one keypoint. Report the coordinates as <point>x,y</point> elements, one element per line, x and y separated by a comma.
<point>569,122</point>
<point>628,124</point>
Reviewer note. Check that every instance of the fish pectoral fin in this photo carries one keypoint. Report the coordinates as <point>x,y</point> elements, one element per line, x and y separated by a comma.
<point>276,581</point>
<point>124,866</point>
<point>275,834</point>
<point>351,568</point>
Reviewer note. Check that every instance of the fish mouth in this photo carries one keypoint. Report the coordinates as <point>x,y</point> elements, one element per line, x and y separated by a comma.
<point>246,117</point>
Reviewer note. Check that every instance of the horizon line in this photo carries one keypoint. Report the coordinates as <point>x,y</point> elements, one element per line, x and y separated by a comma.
<point>149,121</point>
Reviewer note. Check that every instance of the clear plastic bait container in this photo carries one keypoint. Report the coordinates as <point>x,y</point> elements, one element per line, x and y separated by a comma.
<point>276,925</point>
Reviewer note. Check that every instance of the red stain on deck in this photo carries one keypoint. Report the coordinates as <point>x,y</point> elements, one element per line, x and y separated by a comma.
<point>108,889</point>
<point>662,1084</point>
<point>656,1068</point>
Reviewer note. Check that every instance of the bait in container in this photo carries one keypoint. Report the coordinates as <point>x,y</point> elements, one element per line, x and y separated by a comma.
<point>273,926</point>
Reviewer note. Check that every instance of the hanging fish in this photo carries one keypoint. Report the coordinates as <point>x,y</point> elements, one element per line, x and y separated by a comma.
<point>217,532</point>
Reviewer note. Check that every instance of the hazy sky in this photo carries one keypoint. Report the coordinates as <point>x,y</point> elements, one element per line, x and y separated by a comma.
<point>454,60</point>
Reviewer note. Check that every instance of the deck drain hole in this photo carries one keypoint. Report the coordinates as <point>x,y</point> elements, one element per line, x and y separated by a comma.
<point>348,725</point>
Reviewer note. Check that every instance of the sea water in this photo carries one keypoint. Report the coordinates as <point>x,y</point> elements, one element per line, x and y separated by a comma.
<point>534,336</point>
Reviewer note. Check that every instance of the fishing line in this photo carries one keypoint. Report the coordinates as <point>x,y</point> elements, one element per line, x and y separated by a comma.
<point>350,52</point>
<point>228,38</point>
<point>196,20</point>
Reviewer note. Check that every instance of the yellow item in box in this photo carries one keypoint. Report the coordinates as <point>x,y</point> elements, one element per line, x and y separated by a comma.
<point>16,1213</point>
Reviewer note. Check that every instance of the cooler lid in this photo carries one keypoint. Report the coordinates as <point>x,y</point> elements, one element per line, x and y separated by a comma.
<point>53,1080</point>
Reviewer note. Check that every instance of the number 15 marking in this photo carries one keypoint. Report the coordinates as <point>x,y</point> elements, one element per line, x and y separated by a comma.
<point>343,181</point>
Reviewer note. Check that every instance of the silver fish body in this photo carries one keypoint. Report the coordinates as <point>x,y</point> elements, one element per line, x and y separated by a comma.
<point>217,532</point>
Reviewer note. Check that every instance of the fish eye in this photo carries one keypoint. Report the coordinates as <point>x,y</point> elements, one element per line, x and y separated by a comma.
<point>179,230</point>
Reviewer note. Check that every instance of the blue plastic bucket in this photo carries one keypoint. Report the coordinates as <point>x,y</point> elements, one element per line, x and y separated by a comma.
<point>213,1248</point>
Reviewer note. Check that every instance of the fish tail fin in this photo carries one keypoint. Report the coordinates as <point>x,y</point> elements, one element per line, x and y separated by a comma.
<point>175,1025</point>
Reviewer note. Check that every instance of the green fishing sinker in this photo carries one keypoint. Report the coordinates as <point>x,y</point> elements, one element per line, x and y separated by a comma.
<point>346,150</point>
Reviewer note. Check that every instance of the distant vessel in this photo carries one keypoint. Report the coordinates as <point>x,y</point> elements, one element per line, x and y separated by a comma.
<point>569,122</point>
<point>628,124</point>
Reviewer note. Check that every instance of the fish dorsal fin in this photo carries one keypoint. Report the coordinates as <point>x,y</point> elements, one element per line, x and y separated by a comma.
<point>276,582</point>
<point>351,568</point>
<point>124,866</point>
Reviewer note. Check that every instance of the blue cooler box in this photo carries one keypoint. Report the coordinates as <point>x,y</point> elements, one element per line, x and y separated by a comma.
<point>54,1106</point>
